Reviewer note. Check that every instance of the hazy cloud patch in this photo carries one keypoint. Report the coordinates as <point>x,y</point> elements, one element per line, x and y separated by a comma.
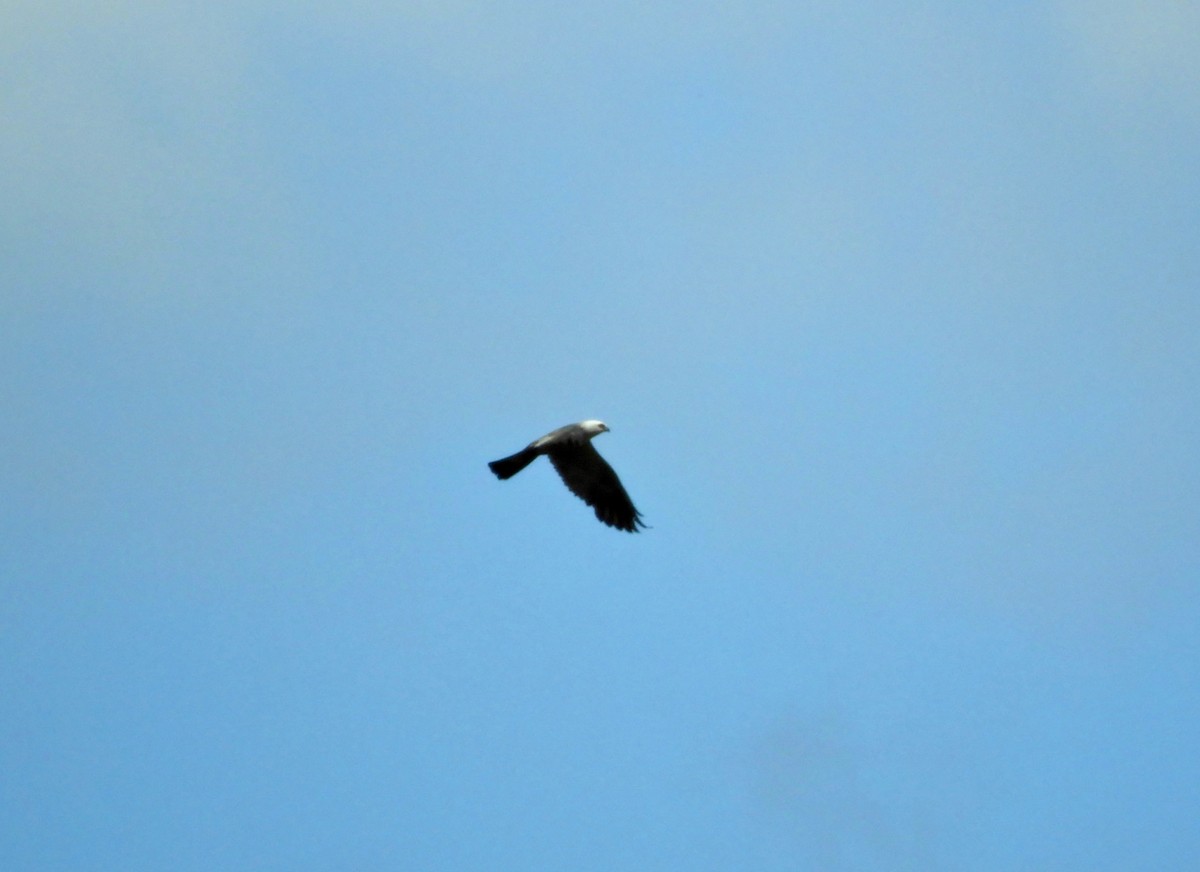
<point>1145,52</point>
<point>132,141</point>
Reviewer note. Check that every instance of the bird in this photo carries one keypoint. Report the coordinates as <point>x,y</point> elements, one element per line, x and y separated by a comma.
<point>585,473</point>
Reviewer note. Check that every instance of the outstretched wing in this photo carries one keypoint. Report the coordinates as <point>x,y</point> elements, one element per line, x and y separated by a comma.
<point>590,478</point>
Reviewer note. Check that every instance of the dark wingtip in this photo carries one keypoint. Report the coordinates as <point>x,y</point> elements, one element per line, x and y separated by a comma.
<point>632,525</point>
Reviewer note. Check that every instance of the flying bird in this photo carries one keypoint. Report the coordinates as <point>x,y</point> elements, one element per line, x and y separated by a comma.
<point>582,470</point>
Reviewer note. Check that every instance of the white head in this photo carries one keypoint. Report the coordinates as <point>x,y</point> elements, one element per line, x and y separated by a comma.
<point>593,427</point>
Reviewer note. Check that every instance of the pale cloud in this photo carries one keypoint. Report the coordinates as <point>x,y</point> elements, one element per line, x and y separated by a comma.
<point>1137,50</point>
<point>540,42</point>
<point>130,126</point>
<point>137,137</point>
<point>126,132</point>
<point>809,781</point>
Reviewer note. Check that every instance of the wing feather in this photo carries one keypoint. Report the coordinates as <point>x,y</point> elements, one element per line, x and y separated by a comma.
<point>588,475</point>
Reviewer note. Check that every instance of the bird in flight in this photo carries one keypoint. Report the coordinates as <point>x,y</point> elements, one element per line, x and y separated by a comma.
<point>582,470</point>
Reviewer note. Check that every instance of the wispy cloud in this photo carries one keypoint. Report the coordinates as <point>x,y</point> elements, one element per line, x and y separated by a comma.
<point>132,139</point>
<point>810,781</point>
<point>1138,50</point>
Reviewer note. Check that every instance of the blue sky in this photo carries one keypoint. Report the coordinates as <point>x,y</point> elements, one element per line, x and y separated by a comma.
<point>892,310</point>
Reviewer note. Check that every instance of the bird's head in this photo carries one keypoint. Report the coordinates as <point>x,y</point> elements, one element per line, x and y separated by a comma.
<point>594,428</point>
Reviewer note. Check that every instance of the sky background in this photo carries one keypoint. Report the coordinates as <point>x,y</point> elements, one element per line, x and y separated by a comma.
<point>892,309</point>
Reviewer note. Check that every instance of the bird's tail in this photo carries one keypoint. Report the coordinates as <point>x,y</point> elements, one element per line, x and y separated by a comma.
<point>507,467</point>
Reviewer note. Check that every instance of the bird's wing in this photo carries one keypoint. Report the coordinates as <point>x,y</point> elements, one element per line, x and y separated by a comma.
<point>590,478</point>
